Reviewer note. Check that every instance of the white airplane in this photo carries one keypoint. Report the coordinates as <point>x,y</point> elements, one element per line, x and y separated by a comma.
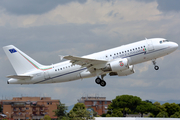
<point>117,61</point>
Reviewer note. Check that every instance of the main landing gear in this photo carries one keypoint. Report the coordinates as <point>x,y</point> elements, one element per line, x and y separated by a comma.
<point>155,66</point>
<point>100,81</point>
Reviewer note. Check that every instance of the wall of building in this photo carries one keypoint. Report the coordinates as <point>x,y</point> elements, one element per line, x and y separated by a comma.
<point>29,107</point>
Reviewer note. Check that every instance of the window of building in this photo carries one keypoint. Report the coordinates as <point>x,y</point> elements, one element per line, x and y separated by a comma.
<point>105,102</point>
<point>100,102</point>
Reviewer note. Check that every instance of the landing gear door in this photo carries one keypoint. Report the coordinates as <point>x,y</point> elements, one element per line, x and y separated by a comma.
<point>150,45</point>
<point>46,75</point>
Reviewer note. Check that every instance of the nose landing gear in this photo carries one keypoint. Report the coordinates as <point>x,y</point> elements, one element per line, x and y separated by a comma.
<point>155,66</point>
<point>101,81</point>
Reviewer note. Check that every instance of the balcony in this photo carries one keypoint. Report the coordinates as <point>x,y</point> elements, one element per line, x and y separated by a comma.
<point>34,110</point>
<point>15,110</point>
<point>41,110</point>
<point>37,116</point>
<point>19,116</point>
<point>24,109</point>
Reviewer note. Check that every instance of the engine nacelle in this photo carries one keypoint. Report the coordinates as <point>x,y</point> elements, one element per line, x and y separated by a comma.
<point>119,65</point>
<point>129,71</point>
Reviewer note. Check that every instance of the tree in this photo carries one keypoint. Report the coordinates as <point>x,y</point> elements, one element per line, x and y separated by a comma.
<point>144,107</point>
<point>125,101</point>
<point>157,108</point>
<point>47,117</point>
<point>79,112</point>
<point>61,110</point>
<point>171,108</point>
<point>94,113</point>
<point>162,114</point>
<point>175,115</point>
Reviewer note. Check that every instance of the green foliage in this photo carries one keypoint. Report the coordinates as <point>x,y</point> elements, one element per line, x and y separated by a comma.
<point>47,117</point>
<point>171,108</point>
<point>94,113</point>
<point>175,115</point>
<point>157,108</point>
<point>162,114</point>
<point>79,112</point>
<point>125,101</point>
<point>144,107</point>
<point>108,115</point>
<point>151,115</point>
<point>61,110</point>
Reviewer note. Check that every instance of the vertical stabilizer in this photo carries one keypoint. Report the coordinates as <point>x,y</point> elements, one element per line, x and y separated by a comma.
<point>21,62</point>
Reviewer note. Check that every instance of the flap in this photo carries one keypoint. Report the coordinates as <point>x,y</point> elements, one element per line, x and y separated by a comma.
<point>84,62</point>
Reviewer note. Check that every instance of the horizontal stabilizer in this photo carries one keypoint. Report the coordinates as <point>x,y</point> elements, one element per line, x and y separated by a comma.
<point>21,77</point>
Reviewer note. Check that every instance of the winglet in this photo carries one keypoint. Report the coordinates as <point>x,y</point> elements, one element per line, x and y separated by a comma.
<point>61,57</point>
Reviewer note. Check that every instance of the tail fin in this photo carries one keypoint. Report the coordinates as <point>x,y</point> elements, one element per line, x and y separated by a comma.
<point>21,62</point>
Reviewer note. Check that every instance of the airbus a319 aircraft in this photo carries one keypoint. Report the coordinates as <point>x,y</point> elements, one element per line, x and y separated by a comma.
<point>116,61</point>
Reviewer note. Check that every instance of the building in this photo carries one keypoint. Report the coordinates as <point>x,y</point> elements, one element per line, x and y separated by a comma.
<point>29,107</point>
<point>99,104</point>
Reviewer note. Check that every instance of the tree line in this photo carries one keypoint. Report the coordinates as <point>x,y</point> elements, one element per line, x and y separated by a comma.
<point>128,104</point>
<point>121,106</point>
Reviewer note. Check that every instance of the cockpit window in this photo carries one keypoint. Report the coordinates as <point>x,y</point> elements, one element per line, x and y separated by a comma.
<point>163,41</point>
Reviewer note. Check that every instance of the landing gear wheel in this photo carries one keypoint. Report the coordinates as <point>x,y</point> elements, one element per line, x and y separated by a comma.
<point>98,80</point>
<point>103,83</point>
<point>156,67</point>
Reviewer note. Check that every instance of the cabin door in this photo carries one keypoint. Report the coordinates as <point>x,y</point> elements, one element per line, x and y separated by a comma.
<point>150,45</point>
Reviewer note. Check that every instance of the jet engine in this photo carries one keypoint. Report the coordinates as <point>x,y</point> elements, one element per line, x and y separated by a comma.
<point>126,72</point>
<point>117,65</point>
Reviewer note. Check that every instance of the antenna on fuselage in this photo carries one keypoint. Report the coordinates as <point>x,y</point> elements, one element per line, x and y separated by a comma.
<point>146,38</point>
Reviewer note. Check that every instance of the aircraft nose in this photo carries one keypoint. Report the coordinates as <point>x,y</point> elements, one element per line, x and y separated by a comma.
<point>175,45</point>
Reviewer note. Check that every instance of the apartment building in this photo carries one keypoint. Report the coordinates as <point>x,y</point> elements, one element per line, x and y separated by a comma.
<point>99,104</point>
<point>29,107</point>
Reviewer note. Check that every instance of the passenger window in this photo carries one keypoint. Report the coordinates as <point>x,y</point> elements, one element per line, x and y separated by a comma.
<point>138,47</point>
<point>127,50</point>
<point>122,52</point>
<point>130,50</point>
<point>160,42</point>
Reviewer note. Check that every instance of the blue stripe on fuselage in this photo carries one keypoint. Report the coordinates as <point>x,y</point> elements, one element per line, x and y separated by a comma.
<point>144,52</point>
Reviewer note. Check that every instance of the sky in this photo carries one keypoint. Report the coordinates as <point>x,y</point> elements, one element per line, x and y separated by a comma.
<point>45,29</point>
